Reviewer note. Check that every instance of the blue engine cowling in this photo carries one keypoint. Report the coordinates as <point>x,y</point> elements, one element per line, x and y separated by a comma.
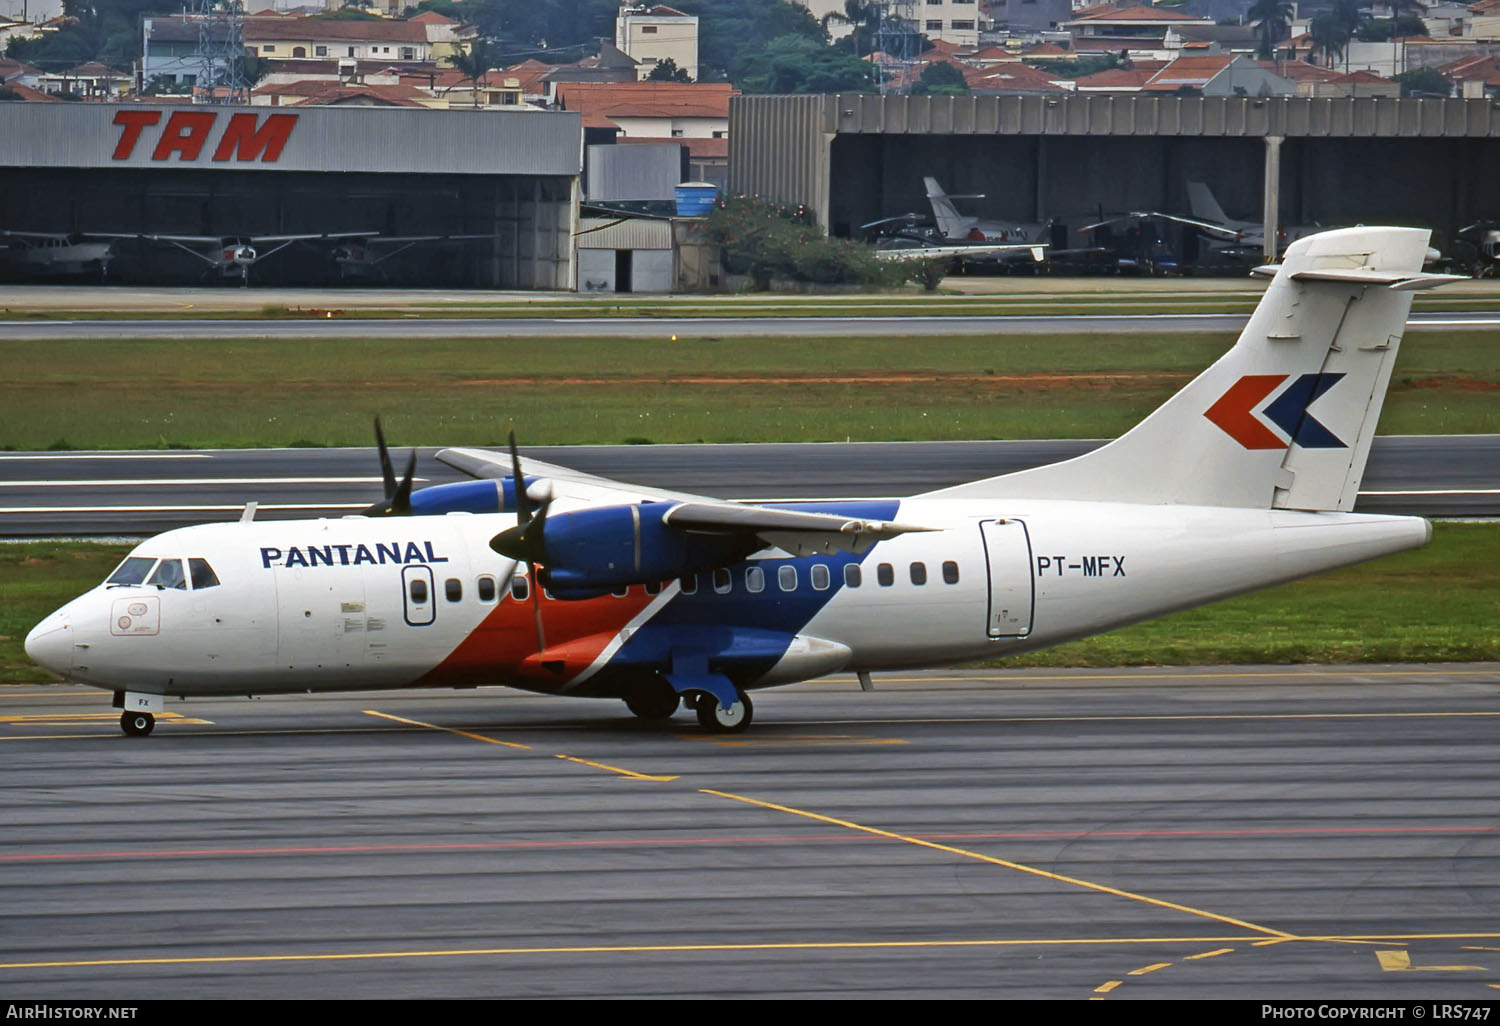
<point>592,551</point>
<point>486,496</point>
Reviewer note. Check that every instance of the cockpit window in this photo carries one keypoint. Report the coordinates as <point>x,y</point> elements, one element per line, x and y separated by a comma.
<point>203,575</point>
<point>133,570</point>
<point>168,575</point>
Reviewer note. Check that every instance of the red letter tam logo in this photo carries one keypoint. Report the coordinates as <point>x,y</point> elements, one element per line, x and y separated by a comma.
<point>1236,412</point>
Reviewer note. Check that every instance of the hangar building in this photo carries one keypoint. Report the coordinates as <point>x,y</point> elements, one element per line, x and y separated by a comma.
<point>507,179</point>
<point>1281,160</point>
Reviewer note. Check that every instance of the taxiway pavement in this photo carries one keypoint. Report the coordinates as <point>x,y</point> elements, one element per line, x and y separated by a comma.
<point>1286,833</point>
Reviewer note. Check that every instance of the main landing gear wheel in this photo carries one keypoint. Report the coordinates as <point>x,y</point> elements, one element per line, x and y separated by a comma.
<point>655,701</point>
<point>716,719</point>
<point>137,724</point>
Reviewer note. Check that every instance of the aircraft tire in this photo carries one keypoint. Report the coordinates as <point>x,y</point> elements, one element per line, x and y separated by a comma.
<point>137,724</point>
<point>715,719</point>
<point>655,701</point>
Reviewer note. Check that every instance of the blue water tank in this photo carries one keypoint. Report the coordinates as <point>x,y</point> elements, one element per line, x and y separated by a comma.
<point>696,199</point>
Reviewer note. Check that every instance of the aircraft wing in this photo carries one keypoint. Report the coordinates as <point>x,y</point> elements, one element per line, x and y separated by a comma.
<point>1207,226</point>
<point>796,531</point>
<point>198,239</point>
<point>255,239</point>
<point>1036,249</point>
<point>35,235</point>
<point>568,484</point>
<point>393,239</point>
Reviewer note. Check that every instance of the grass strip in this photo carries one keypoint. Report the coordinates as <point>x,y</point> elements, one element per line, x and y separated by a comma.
<point>1437,604</point>
<point>216,393</point>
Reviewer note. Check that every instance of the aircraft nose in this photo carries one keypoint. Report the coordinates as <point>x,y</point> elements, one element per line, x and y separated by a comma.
<point>50,643</point>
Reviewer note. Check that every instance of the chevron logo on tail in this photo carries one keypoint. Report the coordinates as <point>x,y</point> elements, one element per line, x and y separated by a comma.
<point>1235,413</point>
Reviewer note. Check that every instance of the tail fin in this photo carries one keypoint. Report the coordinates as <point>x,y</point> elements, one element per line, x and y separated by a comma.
<point>1204,206</point>
<point>1285,418</point>
<point>950,222</point>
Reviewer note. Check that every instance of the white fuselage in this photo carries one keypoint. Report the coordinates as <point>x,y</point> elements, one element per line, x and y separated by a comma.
<point>359,603</point>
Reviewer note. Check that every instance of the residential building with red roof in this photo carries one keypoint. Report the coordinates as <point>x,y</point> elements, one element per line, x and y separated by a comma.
<point>30,94</point>
<point>1475,77</point>
<point>1486,24</point>
<point>14,71</point>
<point>695,115</point>
<point>1126,28</point>
<point>1115,80</point>
<point>325,93</point>
<point>91,81</point>
<point>1221,75</point>
<point>314,38</point>
<point>1014,78</point>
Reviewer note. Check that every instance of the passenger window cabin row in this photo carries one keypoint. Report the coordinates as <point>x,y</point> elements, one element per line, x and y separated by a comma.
<point>820,577</point>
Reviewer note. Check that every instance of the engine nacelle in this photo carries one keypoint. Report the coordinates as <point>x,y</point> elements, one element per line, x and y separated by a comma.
<point>486,496</point>
<point>594,550</point>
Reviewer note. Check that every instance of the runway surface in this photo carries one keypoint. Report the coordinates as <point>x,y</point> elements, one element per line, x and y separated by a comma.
<point>140,493</point>
<point>682,327</point>
<point>1281,833</point>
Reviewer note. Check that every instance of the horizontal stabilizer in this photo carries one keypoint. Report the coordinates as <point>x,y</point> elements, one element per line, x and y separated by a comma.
<point>1359,276</point>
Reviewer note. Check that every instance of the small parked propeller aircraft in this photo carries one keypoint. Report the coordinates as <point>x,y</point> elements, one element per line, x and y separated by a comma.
<point>1043,241</point>
<point>232,256</point>
<point>361,256</point>
<point>52,254</point>
<point>542,578</point>
<point>1229,238</point>
<point>1478,247</point>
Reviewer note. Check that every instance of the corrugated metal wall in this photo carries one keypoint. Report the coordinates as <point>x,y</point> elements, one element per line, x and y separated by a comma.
<point>1146,116</point>
<point>778,147</point>
<point>379,139</point>
<point>788,147</point>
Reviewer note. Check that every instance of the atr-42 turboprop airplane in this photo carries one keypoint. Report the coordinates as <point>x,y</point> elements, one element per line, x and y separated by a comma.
<point>576,585</point>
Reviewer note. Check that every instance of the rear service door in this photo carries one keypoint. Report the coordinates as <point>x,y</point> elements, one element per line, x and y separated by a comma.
<point>1007,548</point>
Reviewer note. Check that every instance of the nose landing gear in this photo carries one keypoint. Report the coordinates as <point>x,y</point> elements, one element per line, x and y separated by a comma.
<point>140,709</point>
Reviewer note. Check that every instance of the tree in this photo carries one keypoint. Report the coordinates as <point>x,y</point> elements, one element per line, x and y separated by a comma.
<point>727,28</point>
<point>474,63</point>
<point>795,64</point>
<point>1404,25</point>
<point>1350,18</point>
<point>1424,82</point>
<point>666,70</point>
<point>1275,17</point>
<point>864,17</point>
<point>942,79</point>
<point>1329,35</point>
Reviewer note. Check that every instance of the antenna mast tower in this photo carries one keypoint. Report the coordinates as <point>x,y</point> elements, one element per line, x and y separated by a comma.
<point>221,52</point>
<point>897,36</point>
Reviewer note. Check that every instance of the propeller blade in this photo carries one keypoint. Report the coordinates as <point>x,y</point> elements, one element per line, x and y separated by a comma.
<point>400,504</point>
<point>524,542</point>
<point>397,500</point>
<point>523,501</point>
<point>386,470</point>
